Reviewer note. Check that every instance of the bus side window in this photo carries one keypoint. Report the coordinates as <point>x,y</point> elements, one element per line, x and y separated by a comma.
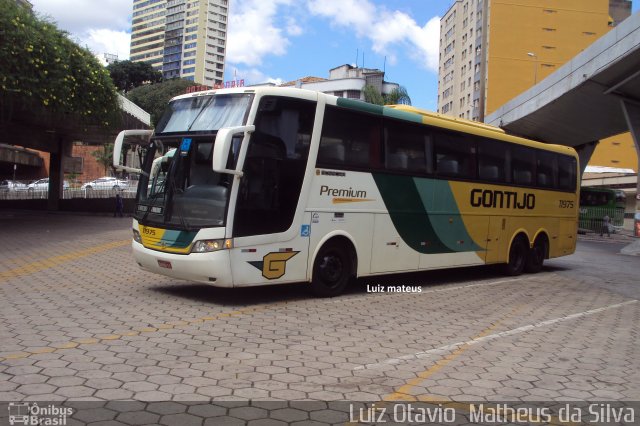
<point>349,138</point>
<point>455,155</point>
<point>491,161</point>
<point>522,165</point>
<point>567,173</point>
<point>404,146</point>
<point>546,169</point>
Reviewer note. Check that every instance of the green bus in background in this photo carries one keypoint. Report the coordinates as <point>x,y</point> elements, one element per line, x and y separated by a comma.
<point>595,203</point>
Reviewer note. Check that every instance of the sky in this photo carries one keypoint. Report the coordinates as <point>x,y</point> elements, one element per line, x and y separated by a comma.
<point>284,40</point>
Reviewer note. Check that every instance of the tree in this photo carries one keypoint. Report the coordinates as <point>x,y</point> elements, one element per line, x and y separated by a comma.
<point>43,72</point>
<point>398,96</point>
<point>127,75</point>
<point>154,98</point>
<point>104,156</point>
<point>372,95</point>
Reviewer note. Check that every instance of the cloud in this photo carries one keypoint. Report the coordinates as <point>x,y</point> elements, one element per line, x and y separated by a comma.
<point>387,30</point>
<point>79,17</point>
<point>253,31</point>
<point>108,41</point>
<point>250,76</point>
<point>103,31</point>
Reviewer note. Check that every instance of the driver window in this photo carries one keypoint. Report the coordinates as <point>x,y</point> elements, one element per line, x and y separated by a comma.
<point>274,167</point>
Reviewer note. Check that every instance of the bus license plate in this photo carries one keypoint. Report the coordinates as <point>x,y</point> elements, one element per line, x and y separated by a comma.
<point>164,264</point>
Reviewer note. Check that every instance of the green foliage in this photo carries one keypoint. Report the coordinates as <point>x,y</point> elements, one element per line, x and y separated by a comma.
<point>104,156</point>
<point>154,98</point>
<point>42,69</point>
<point>398,96</point>
<point>127,75</point>
<point>372,95</point>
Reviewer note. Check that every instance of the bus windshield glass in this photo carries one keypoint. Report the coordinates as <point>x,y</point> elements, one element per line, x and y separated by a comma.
<point>204,113</point>
<point>178,187</point>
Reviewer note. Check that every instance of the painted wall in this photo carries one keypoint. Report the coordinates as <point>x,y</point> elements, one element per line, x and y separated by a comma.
<point>554,32</point>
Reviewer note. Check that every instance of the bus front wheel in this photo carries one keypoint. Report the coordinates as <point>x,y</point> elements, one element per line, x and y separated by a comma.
<point>331,270</point>
<point>518,255</point>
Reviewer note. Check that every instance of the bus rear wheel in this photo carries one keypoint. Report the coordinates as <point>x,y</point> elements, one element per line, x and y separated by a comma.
<point>331,270</point>
<point>536,256</point>
<point>518,255</point>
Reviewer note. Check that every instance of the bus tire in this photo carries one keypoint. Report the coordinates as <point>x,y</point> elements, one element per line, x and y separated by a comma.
<point>331,270</point>
<point>518,254</point>
<point>537,255</point>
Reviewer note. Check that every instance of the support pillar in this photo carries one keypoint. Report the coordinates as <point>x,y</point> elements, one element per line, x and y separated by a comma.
<point>56,175</point>
<point>632,115</point>
<point>584,155</point>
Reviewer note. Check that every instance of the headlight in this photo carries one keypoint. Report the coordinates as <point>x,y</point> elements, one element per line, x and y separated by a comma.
<point>206,246</point>
<point>136,236</point>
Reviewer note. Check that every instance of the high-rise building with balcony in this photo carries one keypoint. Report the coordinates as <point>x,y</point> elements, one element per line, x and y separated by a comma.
<point>181,38</point>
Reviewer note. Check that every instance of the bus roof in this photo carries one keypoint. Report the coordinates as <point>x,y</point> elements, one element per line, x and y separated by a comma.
<point>436,116</point>
<point>402,112</point>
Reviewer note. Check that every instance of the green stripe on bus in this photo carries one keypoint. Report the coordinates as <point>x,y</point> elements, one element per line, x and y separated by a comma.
<point>360,106</point>
<point>379,110</point>
<point>178,239</point>
<point>408,214</point>
<point>444,214</point>
<point>403,115</point>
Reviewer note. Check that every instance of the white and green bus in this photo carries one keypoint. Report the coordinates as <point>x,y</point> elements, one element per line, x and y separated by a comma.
<point>256,186</point>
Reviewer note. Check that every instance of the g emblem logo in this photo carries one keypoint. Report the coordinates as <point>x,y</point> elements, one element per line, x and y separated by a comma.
<point>274,265</point>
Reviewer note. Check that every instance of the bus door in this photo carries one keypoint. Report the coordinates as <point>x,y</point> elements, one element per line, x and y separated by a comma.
<point>496,240</point>
<point>269,245</point>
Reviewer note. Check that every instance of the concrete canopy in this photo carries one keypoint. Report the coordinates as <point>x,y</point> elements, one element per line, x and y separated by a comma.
<point>581,102</point>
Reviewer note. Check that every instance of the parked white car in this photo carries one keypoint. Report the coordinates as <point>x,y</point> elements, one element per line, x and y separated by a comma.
<point>12,185</point>
<point>106,183</point>
<point>43,185</point>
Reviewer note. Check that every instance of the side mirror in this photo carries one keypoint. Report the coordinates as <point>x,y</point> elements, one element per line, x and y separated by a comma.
<point>222,147</point>
<point>117,148</point>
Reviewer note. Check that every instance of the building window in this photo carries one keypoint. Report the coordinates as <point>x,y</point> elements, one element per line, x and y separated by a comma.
<point>353,94</point>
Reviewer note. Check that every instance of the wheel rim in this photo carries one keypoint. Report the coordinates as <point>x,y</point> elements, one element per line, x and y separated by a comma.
<point>538,254</point>
<point>517,257</point>
<point>331,269</point>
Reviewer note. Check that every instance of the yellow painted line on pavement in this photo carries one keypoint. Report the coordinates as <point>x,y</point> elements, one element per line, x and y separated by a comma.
<point>403,393</point>
<point>135,332</point>
<point>52,262</point>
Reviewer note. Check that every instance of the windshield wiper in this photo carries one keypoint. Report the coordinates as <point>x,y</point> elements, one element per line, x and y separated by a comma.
<point>151,199</point>
<point>199,113</point>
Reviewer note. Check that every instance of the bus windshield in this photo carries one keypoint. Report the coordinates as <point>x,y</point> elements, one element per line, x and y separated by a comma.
<point>178,187</point>
<point>204,113</point>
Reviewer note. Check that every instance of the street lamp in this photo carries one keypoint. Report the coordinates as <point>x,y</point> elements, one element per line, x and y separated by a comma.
<point>535,67</point>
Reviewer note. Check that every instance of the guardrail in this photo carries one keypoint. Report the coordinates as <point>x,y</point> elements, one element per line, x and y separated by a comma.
<point>35,194</point>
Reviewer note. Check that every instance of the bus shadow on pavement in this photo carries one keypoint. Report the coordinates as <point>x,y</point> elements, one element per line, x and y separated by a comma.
<point>238,297</point>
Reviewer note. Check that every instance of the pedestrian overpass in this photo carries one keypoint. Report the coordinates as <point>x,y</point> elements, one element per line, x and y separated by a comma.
<point>594,96</point>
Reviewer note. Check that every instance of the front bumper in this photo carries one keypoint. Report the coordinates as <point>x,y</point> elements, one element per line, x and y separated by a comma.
<point>211,268</point>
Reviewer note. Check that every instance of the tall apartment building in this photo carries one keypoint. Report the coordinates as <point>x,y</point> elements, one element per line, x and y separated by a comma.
<point>181,38</point>
<point>493,50</point>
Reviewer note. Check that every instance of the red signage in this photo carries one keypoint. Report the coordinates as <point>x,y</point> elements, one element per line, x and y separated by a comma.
<point>227,85</point>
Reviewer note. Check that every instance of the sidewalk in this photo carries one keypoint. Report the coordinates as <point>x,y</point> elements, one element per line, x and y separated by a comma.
<point>620,236</point>
<point>623,236</point>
